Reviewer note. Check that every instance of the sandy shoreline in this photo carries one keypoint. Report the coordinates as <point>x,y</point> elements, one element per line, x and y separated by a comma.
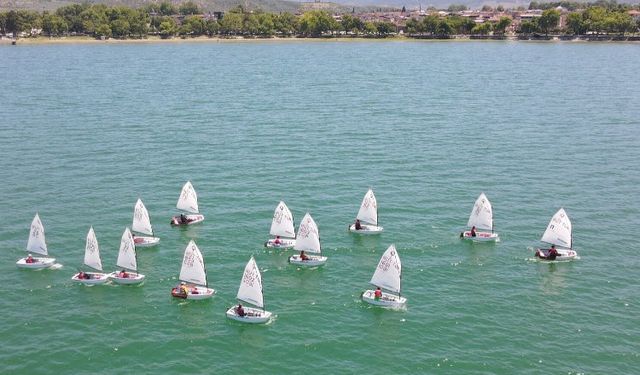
<point>204,39</point>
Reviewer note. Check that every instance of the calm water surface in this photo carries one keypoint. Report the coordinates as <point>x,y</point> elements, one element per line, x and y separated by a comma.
<point>87,129</point>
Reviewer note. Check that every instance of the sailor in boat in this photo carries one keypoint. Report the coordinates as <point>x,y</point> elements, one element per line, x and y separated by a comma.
<point>358,225</point>
<point>123,274</point>
<point>30,259</point>
<point>473,231</point>
<point>240,311</point>
<point>83,276</point>
<point>303,256</point>
<point>377,294</point>
<point>136,239</point>
<point>277,241</point>
<point>551,255</point>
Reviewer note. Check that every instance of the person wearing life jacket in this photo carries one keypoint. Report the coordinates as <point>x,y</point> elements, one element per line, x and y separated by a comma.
<point>30,259</point>
<point>183,289</point>
<point>240,311</point>
<point>183,219</point>
<point>123,274</point>
<point>358,226</point>
<point>377,294</point>
<point>553,253</point>
<point>303,256</point>
<point>277,241</point>
<point>473,231</point>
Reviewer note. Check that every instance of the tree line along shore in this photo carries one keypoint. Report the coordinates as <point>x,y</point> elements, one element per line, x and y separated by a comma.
<point>602,20</point>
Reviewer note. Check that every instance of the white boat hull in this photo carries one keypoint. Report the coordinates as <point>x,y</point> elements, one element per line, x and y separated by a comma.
<point>480,236</point>
<point>387,299</point>
<point>39,263</point>
<point>252,315</point>
<point>144,241</point>
<point>313,261</point>
<point>194,293</point>
<point>366,229</point>
<point>285,243</point>
<point>134,278</point>
<point>563,255</point>
<point>96,278</point>
<point>191,219</point>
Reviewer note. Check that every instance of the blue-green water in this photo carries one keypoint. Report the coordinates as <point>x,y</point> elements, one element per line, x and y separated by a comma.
<point>87,129</point>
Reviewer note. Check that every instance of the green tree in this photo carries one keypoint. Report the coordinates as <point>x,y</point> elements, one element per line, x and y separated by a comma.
<point>430,23</point>
<point>168,9</point>
<point>189,8</point>
<point>52,24</point>
<point>103,30</point>
<point>212,27</point>
<point>575,24</point>
<point>370,28</point>
<point>502,24</point>
<point>72,16</point>
<point>192,25</point>
<point>317,22</point>
<point>231,23</point>
<point>120,28</point>
<point>487,8</point>
<point>549,20</point>
<point>386,28</point>
<point>168,28</point>
<point>413,26</point>
<point>594,18</point>
<point>500,8</point>
<point>285,23</point>
<point>529,26</point>
<point>444,28</point>
<point>482,29</point>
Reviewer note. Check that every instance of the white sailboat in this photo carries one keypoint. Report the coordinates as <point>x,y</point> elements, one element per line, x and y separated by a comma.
<point>282,227</point>
<point>559,235</point>
<point>188,202</point>
<point>481,218</point>
<point>92,260</point>
<point>388,278</point>
<point>193,276</point>
<point>250,292</point>
<point>367,219</point>
<point>308,240</point>
<point>142,224</point>
<point>36,244</point>
<point>127,261</point>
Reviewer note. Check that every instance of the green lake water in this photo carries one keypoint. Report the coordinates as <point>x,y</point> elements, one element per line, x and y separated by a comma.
<point>85,130</point>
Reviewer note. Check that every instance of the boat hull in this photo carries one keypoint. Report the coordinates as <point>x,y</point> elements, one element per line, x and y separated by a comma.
<point>366,229</point>
<point>313,261</point>
<point>285,243</point>
<point>252,315</point>
<point>564,255</point>
<point>39,263</point>
<point>96,278</point>
<point>191,219</point>
<point>195,293</point>
<point>134,278</point>
<point>480,236</point>
<point>144,241</point>
<point>387,300</point>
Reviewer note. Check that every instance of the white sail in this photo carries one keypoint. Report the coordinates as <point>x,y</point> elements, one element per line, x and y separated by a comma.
<point>368,212</point>
<point>36,243</point>
<point>282,224</point>
<point>92,251</point>
<point>482,215</point>
<point>127,253</point>
<point>188,200</point>
<point>141,220</point>
<point>193,270</point>
<point>389,271</point>
<point>308,238</point>
<point>559,230</point>
<point>250,290</point>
